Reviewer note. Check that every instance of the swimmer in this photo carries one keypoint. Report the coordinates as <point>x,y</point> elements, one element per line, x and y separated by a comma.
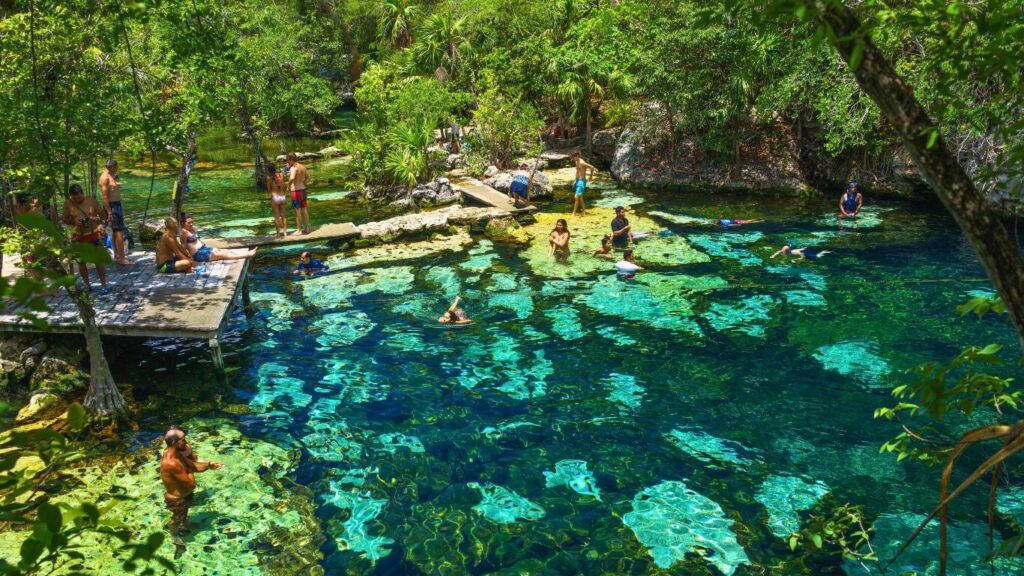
<point>726,223</point>
<point>455,315</point>
<point>628,266</point>
<point>558,240</point>
<point>605,251</point>
<point>801,253</point>
<point>851,201</point>
<point>309,265</point>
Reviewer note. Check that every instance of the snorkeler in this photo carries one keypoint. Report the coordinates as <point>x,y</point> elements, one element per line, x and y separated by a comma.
<point>628,266</point>
<point>455,315</point>
<point>605,251</point>
<point>725,223</point>
<point>851,201</point>
<point>801,253</point>
<point>309,265</point>
<point>558,240</point>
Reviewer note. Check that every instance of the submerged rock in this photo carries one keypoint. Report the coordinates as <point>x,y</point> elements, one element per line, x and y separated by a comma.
<point>673,520</point>
<point>573,474</point>
<point>784,497</point>
<point>503,505</point>
<point>507,230</point>
<point>858,360</point>
<point>709,449</point>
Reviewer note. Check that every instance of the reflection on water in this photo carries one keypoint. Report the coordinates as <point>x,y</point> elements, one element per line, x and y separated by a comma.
<point>587,424</point>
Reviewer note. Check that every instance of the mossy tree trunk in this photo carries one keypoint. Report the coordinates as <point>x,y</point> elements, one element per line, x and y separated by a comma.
<point>981,223</point>
<point>188,159</point>
<point>103,398</point>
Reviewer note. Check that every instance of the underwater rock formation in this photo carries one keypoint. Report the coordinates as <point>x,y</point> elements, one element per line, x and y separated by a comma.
<point>573,474</point>
<point>709,449</point>
<point>784,497</point>
<point>673,520</point>
<point>503,505</point>
<point>858,360</point>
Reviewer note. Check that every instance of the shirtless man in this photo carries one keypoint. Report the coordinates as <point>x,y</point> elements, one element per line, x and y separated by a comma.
<point>110,186</point>
<point>298,179</point>
<point>83,213</point>
<point>581,182</point>
<point>170,256</point>
<point>178,469</point>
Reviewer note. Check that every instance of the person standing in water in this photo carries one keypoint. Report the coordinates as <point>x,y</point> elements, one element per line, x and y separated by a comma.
<point>801,253</point>
<point>622,230</point>
<point>558,240</point>
<point>627,267</point>
<point>178,469</point>
<point>580,184</point>
<point>851,202</point>
<point>275,185</point>
<point>110,187</point>
<point>84,214</point>
<point>297,182</point>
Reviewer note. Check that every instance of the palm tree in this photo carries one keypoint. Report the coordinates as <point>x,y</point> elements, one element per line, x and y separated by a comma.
<point>443,45</point>
<point>583,87</point>
<point>394,24</point>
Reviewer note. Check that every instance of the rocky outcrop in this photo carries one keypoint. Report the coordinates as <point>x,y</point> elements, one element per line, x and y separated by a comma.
<point>50,362</point>
<point>603,146</point>
<point>501,180</point>
<point>400,200</point>
<point>507,230</point>
<point>328,152</point>
<point>425,223</point>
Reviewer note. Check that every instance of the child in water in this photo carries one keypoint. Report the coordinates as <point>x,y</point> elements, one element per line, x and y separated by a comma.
<point>726,223</point>
<point>801,253</point>
<point>309,266</point>
<point>455,315</point>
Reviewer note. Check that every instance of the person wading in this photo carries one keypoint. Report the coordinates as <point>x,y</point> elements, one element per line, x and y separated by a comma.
<point>297,182</point>
<point>110,187</point>
<point>178,469</point>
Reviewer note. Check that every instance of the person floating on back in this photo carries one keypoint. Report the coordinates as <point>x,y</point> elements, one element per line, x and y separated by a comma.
<point>725,223</point>
<point>309,266</point>
<point>519,189</point>
<point>298,179</point>
<point>581,182</point>
<point>83,213</point>
<point>851,201</point>
<point>558,240</point>
<point>178,469</point>
<point>622,231</point>
<point>170,256</point>
<point>627,267</point>
<point>455,315</point>
<point>110,187</point>
<point>800,253</point>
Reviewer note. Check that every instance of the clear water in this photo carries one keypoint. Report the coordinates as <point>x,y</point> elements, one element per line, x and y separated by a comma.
<point>586,423</point>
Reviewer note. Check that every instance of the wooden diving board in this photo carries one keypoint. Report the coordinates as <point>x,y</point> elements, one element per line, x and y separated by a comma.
<point>144,303</point>
<point>341,231</point>
<point>484,194</point>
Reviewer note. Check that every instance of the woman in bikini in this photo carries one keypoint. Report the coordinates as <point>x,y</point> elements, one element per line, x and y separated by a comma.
<point>275,184</point>
<point>200,252</point>
<point>558,240</point>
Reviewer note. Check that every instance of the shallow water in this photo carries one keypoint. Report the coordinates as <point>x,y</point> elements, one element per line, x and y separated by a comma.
<point>587,423</point>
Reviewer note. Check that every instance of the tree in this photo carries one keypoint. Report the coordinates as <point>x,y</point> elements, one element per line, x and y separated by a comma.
<point>443,46</point>
<point>395,22</point>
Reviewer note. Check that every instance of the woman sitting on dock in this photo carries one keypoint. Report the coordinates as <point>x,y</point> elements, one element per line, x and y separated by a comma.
<point>200,252</point>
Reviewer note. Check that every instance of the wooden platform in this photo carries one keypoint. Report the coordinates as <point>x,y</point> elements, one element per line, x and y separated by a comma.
<point>144,303</point>
<point>342,231</point>
<point>484,194</point>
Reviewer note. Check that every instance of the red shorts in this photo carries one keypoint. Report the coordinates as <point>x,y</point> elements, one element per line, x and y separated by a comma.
<point>298,198</point>
<point>91,238</point>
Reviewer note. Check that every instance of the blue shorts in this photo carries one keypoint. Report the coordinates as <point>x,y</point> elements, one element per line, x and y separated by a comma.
<point>581,185</point>
<point>203,254</point>
<point>117,216</point>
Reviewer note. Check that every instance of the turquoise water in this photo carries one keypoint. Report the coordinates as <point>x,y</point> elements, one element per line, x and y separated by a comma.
<point>589,424</point>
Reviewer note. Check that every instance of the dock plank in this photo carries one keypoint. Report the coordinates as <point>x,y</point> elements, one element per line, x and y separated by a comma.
<point>484,194</point>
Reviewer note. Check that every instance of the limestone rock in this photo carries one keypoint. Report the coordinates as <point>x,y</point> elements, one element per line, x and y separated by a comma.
<point>424,223</point>
<point>604,145</point>
<point>491,171</point>
<point>329,152</point>
<point>39,405</point>
<point>541,187</point>
<point>507,229</point>
<point>60,363</point>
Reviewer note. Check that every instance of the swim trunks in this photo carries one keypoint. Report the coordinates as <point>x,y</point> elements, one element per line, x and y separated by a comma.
<point>203,254</point>
<point>117,216</point>
<point>581,185</point>
<point>298,199</point>
<point>179,508</point>
<point>520,185</point>
<point>168,266</point>
<point>90,238</point>
<point>810,254</point>
<point>849,203</point>
<point>726,223</point>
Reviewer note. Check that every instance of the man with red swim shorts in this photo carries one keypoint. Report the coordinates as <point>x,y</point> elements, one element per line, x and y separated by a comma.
<point>83,213</point>
<point>298,179</point>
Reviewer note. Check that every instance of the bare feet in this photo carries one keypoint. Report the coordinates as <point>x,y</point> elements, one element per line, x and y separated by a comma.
<point>125,262</point>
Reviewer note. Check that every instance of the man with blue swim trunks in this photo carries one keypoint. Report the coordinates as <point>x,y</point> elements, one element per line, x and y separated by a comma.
<point>581,182</point>
<point>851,202</point>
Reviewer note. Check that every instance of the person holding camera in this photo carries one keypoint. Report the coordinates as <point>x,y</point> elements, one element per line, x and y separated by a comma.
<point>84,214</point>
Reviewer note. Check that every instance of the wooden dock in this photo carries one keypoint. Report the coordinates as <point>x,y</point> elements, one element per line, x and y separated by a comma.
<point>145,303</point>
<point>341,231</point>
<point>483,194</point>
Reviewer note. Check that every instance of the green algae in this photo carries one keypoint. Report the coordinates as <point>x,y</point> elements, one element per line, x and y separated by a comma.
<point>392,441</point>
<point>503,505</point>
<point>673,520</point>
<point>743,317</point>
<point>244,521</point>
<point>784,497</point>
<point>400,251</point>
<point>804,298</point>
<point>574,475</point>
<point>612,197</point>
<point>857,360</point>
<point>870,217</point>
<point>725,245</point>
<point>709,449</point>
<point>635,301</point>
<point>624,391</point>
<point>586,233</point>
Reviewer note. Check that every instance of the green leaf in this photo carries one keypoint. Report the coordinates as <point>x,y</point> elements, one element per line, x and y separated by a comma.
<point>857,55</point>
<point>816,538</point>
<point>933,137</point>
<point>49,515</point>
<point>793,541</point>
<point>76,416</point>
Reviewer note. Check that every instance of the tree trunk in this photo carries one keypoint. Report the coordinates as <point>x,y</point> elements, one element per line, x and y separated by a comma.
<point>261,161</point>
<point>589,140</point>
<point>103,398</point>
<point>188,159</point>
<point>981,223</point>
